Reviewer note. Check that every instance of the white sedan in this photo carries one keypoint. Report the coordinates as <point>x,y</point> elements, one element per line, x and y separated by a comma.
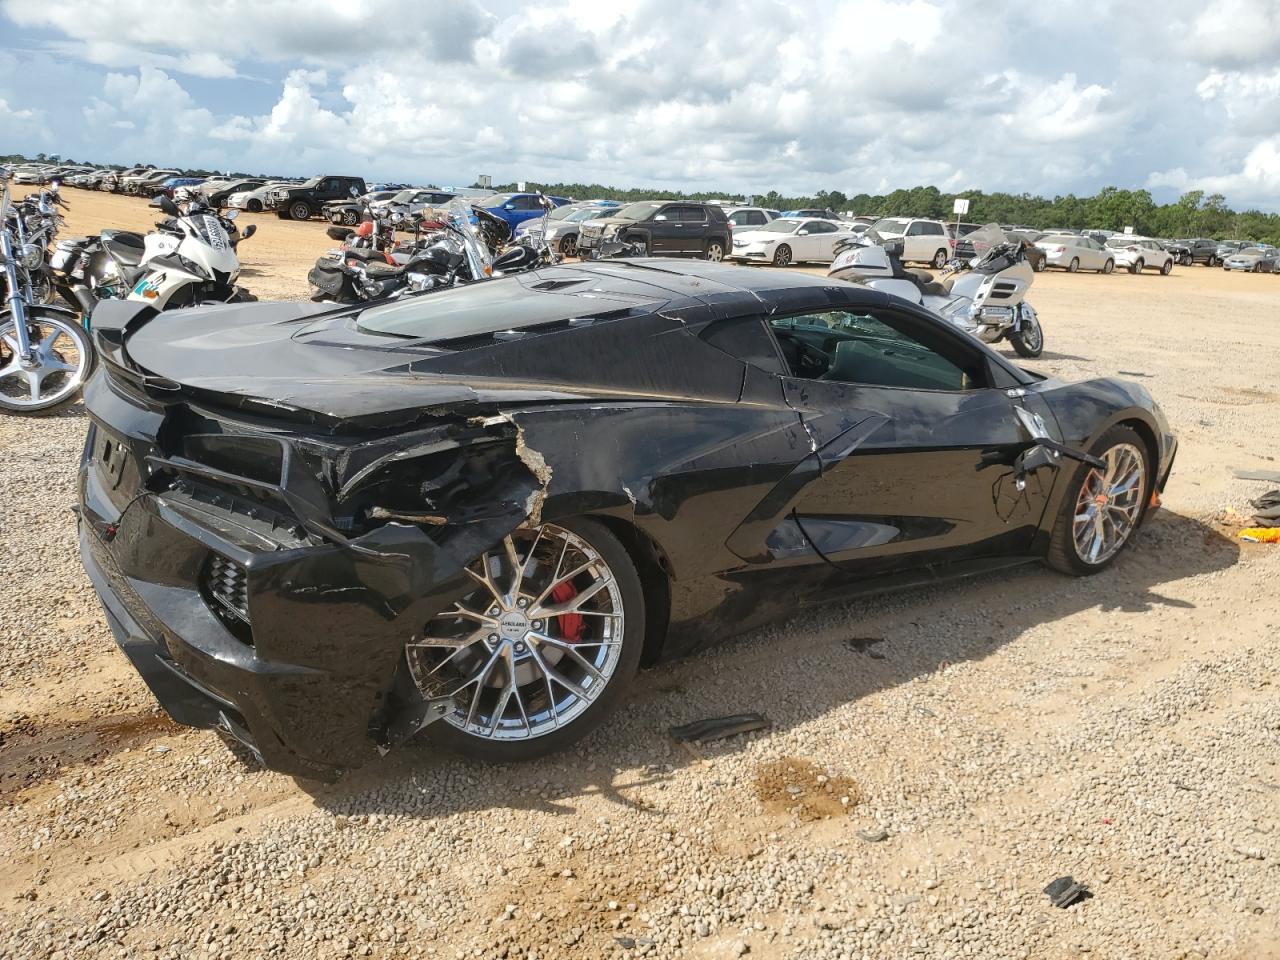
<point>789,240</point>
<point>1073,253</point>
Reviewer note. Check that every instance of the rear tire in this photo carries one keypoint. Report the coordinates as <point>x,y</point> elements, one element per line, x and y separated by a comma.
<point>714,251</point>
<point>1074,265</point>
<point>1212,261</point>
<point>602,540</point>
<point>1064,554</point>
<point>1108,266</point>
<point>1137,267</point>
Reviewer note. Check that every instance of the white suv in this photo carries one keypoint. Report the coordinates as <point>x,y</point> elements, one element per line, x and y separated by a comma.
<point>923,241</point>
<point>1138,253</point>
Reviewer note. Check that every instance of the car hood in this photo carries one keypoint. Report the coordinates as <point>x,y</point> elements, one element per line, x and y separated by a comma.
<point>310,362</point>
<point>759,236</point>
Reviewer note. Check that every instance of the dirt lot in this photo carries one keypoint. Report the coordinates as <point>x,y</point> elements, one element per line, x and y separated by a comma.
<point>936,757</point>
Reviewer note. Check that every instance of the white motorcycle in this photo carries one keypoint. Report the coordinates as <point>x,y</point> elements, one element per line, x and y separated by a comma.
<point>982,291</point>
<point>190,259</point>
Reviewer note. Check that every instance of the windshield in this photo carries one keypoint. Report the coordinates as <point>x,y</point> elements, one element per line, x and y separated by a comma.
<point>778,226</point>
<point>983,239</point>
<point>1065,239</point>
<point>890,225</point>
<point>1118,242</point>
<point>497,200</point>
<point>638,211</point>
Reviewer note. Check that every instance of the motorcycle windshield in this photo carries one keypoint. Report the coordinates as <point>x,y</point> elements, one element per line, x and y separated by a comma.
<point>982,240</point>
<point>458,214</point>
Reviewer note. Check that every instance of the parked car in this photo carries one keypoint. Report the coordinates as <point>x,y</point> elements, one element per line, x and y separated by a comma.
<point>1259,259</point>
<point>789,240</point>
<point>748,217</point>
<point>516,208</point>
<point>302,201</point>
<point>1199,250</point>
<point>923,241</point>
<point>415,199</point>
<point>1136,254</point>
<point>1071,253</point>
<point>219,193</point>
<point>166,187</point>
<point>255,199</point>
<point>1227,247</point>
<point>136,185</point>
<point>563,226</point>
<point>680,227</point>
<point>811,214</point>
<point>349,210</point>
<point>303,547</point>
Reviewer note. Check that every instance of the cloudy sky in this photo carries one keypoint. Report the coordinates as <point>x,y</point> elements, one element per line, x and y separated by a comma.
<point>861,95</point>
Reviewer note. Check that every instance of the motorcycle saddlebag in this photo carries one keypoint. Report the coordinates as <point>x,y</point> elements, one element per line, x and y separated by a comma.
<point>330,282</point>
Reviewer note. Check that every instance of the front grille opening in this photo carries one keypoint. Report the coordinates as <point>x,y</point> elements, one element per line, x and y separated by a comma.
<point>226,590</point>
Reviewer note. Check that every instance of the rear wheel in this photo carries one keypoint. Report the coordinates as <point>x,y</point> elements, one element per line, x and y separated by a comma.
<point>541,650</point>
<point>60,360</point>
<point>939,260</point>
<point>1212,261</point>
<point>715,251</point>
<point>782,256</point>
<point>1137,267</point>
<point>1102,508</point>
<point>1108,266</point>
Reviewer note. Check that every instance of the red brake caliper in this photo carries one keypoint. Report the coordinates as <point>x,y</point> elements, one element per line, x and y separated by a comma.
<point>571,624</point>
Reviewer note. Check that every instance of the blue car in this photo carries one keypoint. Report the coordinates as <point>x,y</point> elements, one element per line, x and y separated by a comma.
<point>516,208</point>
<point>167,187</point>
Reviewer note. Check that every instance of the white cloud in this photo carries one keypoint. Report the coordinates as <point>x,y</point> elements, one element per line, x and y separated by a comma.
<point>771,94</point>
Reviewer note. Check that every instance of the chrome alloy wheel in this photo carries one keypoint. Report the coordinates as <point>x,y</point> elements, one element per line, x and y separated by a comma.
<point>1109,504</point>
<point>533,645</point>
<point>53,371</point>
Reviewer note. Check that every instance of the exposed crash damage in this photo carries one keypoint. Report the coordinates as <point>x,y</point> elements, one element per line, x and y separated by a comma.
<point>479,511</point>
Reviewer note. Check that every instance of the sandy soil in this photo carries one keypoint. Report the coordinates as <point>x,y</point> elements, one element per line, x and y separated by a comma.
<point>935,759</point>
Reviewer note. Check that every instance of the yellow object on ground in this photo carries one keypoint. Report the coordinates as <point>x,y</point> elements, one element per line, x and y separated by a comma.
<point>1261,534</point>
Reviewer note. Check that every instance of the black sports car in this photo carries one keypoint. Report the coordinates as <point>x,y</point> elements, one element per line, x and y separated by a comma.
<point>321,530</point>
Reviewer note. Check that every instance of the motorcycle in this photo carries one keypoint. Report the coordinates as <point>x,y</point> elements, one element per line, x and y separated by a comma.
<point>450,246</point>
<point>983,294</point>
<point>189,260</point>
<point>45,355</point>
<point>36,221</point>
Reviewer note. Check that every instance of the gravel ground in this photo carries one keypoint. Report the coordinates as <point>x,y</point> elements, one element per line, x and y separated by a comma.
<point>935,758</point>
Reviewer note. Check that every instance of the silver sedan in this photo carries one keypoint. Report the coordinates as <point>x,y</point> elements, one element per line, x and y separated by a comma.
<point>1073,253</point>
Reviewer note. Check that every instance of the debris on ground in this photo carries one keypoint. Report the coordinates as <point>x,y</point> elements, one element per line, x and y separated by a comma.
<point>1261,534</point>
<point>1270,476</point>
<point>878,835</point>
<point>1064,891</point>
<point>718,728</point>
<point>1268,509</point>
<point>865,645</point>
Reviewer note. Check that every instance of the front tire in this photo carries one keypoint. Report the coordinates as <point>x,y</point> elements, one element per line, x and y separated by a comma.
<point>527,685</point>
<point>1108,266</point>
<point>1211,262</point>
<point>1038,266</point>
<point>350,217</point>
<point>1028,342</point>
<point>569,246</point>
<point>1167,268</point>
<point>1074,265</point>
<point>1102,509</point>
<point>64,358</point>
<point>254,206</point>
<point>300,210</point>
<point>939,260</point>
<point>782,256</point>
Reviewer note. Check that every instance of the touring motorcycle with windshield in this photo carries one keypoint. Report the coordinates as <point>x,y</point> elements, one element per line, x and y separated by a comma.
<point>984,295</point>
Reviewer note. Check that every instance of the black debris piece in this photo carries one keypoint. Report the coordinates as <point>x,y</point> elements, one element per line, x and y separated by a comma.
<point>626,943</point>
<point>1064,891</point>
<point>1269,475</point>
<point>1268,509</point>
<point>1132,373</point>
<point>717,728</point>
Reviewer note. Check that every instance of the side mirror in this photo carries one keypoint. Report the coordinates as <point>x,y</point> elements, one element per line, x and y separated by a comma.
<point>660,217</point>
<point>508,206</point>
<point>169,207</point>
<point>249,231</point>
<point>232,214</point>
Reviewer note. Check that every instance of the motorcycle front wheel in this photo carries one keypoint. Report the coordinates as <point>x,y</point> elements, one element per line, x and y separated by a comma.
<point>61,360</point>
<point>1028,341</point>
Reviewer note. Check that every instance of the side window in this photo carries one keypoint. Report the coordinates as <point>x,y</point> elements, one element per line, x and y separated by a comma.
<point>881,349</point>
<point>666,213</point>
<point>692,215</point>
<point>526,203</point>
<point>916,229</point>
<point>823,226</point>
<point>933,229</point>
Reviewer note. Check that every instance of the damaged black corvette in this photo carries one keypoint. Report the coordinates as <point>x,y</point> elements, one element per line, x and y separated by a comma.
<point>481,510</point>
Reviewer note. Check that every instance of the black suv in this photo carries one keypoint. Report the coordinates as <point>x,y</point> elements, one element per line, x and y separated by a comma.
<point>306,199</point>
<point>663,227</point>
<point>1187,252</point>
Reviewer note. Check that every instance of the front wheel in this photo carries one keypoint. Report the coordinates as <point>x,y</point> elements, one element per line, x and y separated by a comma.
<point>1074,265</point>
<point>300,210</point>
<point>1038,265</point>
<point>1028,340</point>
<point>60,361</point>
<point>1211,262</point>
<point>569,246</point>
<point>1167,268</point>
<point>939,260</point>
<point>254,206</point>
<point>1108,266</point>
<point>715,251</point>
<point>1103,507</point>
<point>782,256</point>
<point>543,647</point>
<point>350,217</point>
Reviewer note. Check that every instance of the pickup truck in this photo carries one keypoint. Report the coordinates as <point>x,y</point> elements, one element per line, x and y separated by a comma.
<point>305,200</point>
